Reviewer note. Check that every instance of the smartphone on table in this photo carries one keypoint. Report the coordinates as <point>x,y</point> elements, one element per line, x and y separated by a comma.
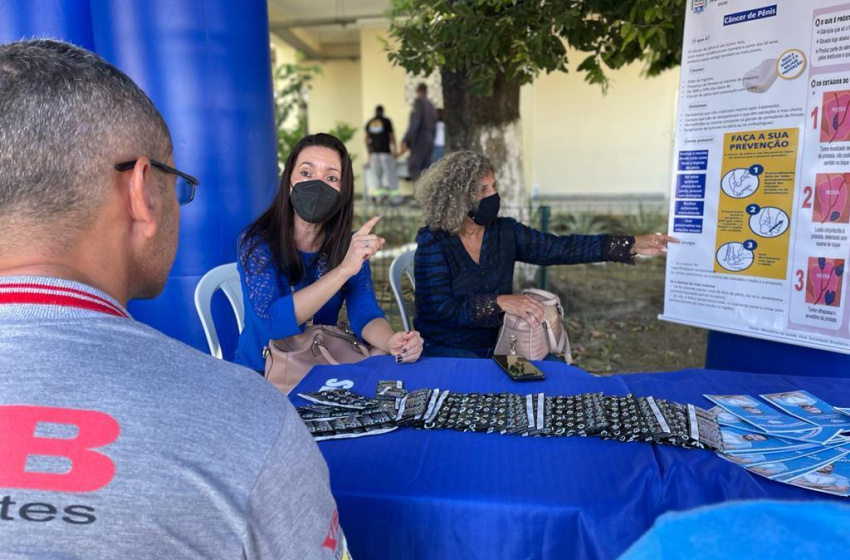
<point>519,368</point>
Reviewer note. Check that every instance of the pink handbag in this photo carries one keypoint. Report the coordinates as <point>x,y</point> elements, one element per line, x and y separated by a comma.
<point>288,360</point>
<point>532,340</point>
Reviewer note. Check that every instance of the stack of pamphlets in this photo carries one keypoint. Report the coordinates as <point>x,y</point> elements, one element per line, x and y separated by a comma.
<point>800,440</point>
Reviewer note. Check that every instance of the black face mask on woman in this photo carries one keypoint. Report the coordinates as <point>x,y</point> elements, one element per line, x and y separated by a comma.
<point>488,209</point>
<point>315,201</point>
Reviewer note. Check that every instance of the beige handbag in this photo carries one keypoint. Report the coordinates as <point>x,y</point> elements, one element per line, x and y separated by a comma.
<point>532,340</point>
<point>288,360</point>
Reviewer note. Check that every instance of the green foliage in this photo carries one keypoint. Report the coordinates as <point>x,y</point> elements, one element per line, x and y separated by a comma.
<point>344,132</point>
<point>646,221</point>
<point>580,223</point>
<point>521,38</point>
<point>289,100</point>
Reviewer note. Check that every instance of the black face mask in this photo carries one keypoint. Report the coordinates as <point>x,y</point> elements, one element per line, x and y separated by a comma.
<point>315,201</point>
<point>488,209</point>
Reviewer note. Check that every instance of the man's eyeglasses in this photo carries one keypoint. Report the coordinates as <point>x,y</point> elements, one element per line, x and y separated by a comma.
<point>185,186</point>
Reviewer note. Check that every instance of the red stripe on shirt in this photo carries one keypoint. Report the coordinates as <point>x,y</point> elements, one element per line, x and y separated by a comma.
<point>117,310</point>
<point>58,299</point>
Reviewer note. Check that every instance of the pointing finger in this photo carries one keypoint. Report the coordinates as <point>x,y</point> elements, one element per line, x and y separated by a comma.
<point>367,227</point>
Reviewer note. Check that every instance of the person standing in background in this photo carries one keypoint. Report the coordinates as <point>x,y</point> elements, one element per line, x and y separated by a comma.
<point>419,138</point>
<point>381,145</point>
<point>439,139</point>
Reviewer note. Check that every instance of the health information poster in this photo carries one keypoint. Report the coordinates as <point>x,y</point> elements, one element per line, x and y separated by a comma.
<point>760,196</point>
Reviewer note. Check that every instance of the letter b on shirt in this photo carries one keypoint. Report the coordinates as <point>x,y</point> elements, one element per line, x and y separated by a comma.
<point>90,470</point>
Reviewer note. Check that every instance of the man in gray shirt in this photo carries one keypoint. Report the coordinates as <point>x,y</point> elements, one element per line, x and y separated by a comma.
<point>116,441</point>
<point>419,138</point>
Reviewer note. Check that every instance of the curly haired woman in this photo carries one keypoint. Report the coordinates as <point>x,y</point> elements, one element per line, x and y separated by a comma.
<point>465,257</point>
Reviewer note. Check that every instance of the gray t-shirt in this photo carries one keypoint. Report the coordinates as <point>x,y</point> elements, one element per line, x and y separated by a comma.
<point>119,442</point>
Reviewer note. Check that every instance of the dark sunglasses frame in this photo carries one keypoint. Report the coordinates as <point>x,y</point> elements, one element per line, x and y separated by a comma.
<point>193,182</point>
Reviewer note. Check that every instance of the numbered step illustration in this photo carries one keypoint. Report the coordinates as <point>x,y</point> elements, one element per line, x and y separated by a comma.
<point>736,256</point>
<point>831,204</point>
<point>824,281</point>
<point>768,221</point>
<point>756,197</point>
<point>741,182</point>
<point>835,126</point>
<point>819,283</point>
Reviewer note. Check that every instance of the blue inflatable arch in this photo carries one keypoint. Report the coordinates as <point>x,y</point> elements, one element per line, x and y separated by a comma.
<point>206,65</point>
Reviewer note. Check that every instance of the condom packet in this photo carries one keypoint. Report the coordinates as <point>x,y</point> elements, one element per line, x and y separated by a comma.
<point>497,413</point>
<point>445,412</point>
<point>489,413</point>
<point>465,413</point>
<point>707,434</point>
<point>413,406</point>
<point>678,420</point>
<point>390,390</point>
<point>354,425</point>
<point>516,420</point>
<point>430,420</point>
<point>318,427</point>
<point>561,415</point>
<point>547,428</point>
<point>590,414</point>
<point>341,398</point>
<point>696,423</point>
<point>618,422</point>
<point>376,418</point>
<point>436,406</point>
<point>535,410</point>
<point>638,419</point>
<point>321,412</point>
<point>568,416</point>
<point>356,432</point>
<point>390,407</point>
<point>659,428</point>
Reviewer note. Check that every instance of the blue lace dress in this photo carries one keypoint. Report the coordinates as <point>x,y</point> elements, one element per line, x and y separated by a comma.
<point>269,308</point>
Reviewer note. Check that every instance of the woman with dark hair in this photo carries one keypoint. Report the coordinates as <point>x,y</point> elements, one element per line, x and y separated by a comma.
<point>465,257</point>
<point>300,261</point>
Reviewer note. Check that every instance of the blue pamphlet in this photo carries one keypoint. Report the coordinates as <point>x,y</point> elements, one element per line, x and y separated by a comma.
<point>741,441</point>
<point>832,478</point>
<point>759,414</point>
<point>804,405</point>
<point>811,462</point>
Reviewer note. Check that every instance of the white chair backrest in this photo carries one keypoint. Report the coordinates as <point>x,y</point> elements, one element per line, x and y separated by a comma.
<point>226,279</point>
<point>402,264</point>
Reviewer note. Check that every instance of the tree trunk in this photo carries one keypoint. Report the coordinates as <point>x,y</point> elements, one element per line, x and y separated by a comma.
<point>489,126</point>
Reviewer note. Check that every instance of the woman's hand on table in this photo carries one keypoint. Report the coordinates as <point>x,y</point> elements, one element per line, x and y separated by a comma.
<point>406,346</point>
<point>652,244</point>
<point>521,306</point>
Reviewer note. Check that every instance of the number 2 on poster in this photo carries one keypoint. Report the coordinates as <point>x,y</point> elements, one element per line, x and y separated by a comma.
<point>807,197</point>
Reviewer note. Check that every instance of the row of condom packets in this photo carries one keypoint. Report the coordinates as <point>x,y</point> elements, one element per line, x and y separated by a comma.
<point>339,413</point>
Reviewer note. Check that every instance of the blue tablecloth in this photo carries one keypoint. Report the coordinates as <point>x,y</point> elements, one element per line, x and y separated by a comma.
<point>445,495</point>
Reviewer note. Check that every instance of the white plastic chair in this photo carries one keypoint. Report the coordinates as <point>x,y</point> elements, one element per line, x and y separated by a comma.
<point>226,279</point>
<point>402,264</point>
